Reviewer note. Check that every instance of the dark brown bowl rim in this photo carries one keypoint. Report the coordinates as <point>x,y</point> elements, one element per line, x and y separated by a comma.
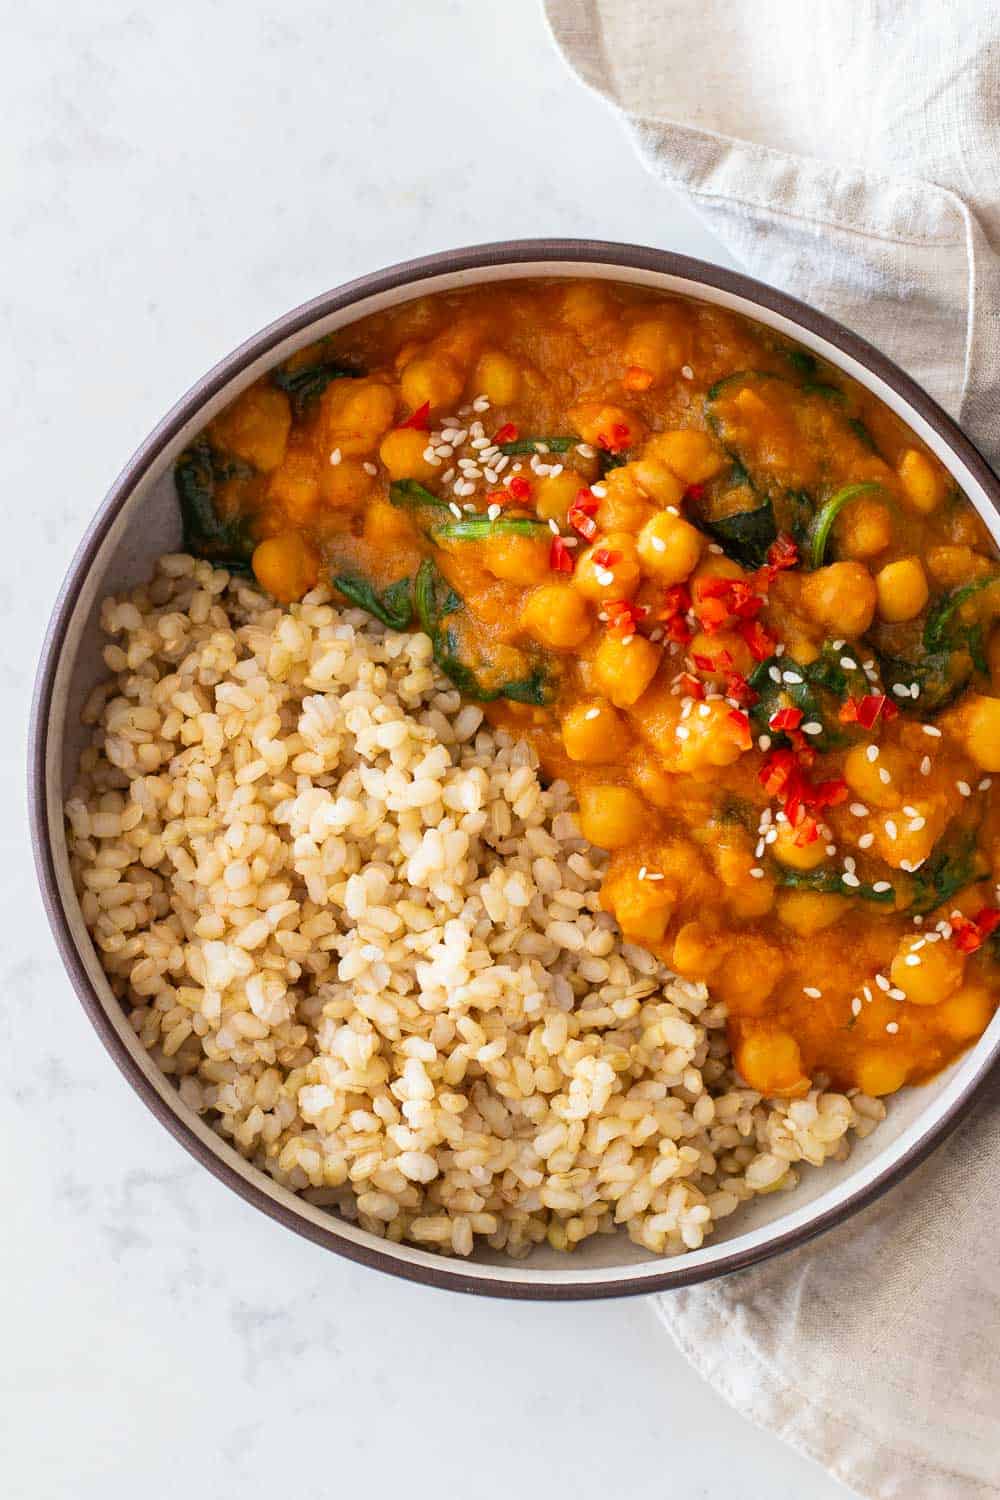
<point>627,257</point>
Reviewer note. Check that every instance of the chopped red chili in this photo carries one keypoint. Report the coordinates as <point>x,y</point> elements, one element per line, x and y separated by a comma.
<point>969,933</point>
<point>868,710</point>
<point>420,420</point>
<point>519,487</point>
<point>508,433</point>
<point>560,556</point>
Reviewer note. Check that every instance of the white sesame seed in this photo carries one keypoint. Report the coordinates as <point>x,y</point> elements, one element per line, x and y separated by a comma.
<point>654,875</point>
<point>585,450</point>
<point>757,872</point>
<point>850,863</point>
<point>850,879</point>
<point>881,885</point>
<point>897,994</point>
<point>917,823</point>
<point>554,527</point>
<point>932,730</point>
<point>764,742</point>
<point>771,836</point>
<point>758,852</point>
<point>456,510</point>
<point>335,457</point>
<point>871,753</point>
<point>682,732</point>
<point>812,727</point>
<point>444,450</point>
<point>964,789</point>
<point>882,982</point>
<point>703,710</point>
<point>779,650</point>
<point>599,490</point>
<point>481,403</point>
<point>494,510</point>
<point>447,476</point>
<point>811,991</point>
<point>687,372</point>
<point>792,677</point>
<point>642,872</point>
<point>848,663</point>
<point>883,776</point>
<point>858,809</point>
<point>370,469</point>
<point>892,1027</point>
<point>985,784</point>
<point>831,849</point>
<point>866,840</point>
<point>713,547</point>
<point>925,766</point>
<point>855,1006</point>
<point>900,691</point>
<point>891,828</point>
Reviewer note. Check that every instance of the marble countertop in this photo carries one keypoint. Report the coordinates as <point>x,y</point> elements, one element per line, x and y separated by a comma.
<point>175,177</point>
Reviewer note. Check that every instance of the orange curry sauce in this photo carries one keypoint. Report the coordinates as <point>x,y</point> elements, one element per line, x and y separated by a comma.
<point>730,597</point>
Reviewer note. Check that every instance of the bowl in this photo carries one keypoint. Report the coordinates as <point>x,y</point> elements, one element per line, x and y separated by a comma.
<point>138,520</point>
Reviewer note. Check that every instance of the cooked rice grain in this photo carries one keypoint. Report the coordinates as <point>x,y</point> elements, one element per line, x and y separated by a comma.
<point>364,939</point>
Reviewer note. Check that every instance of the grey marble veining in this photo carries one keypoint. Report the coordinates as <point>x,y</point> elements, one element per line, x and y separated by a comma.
<point>174,176</point>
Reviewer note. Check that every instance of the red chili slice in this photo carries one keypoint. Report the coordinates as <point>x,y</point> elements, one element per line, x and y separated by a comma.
<point>969,933</point>
<point>508,433</point>
<point>560,557</point>
<point>520,488</point>
<point>615,441</point>
<point>605,558</point>
<point>786,718</point>
<point>691,686</point>
<point>740,690</point>
<point>695,492</point>
<point>420,420</point>
<point>760,641</point>
<point>868,710</point>
<point>703,663</point>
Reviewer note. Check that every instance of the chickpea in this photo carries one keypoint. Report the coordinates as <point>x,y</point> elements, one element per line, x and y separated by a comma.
<point>607,426</point>
<point>967,1013</point>
<point>794,855</point>
<point>623,506</point>
<point>594,732</point>
<point>612,816</point>
<point>922,482</point>
<point>840,597</point>
<point>951,566</point>
<point>657,481</point>
<point>345,484</point>
<point>433,379</point>
<point>902,589</point>
<point>497,376</point>
<point>724,644</point>
<point>517,559</point>
<point>698,951</point>
<point>402,452</point>
<point>557,615</point>
<point>623,669</point>
<point>864,777</point>
<point>286,566</point>
<point>669,548</point>
<point>584,305</point>
<point>809,912</point>
<point>555,493</point>
<point>712,739</point>
<point>386,526</point>
<point>927,972</point>
<point>771,1063</point>
<point>881,1072</point>
<point>609,569</point>
<point>256,427</point>
<point>692,455</point>
<point>656,346</point>
<point>355,414</point>
<point>863,529</point>
<point>295,486</point>
<point>982,731</point>
<point>714,565</point>
<point>642,908</point>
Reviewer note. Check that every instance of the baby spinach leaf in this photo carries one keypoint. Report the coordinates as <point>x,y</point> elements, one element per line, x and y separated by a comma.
<point>745,535</point>
<point>435,601</point>
<point>198,473</point>
<point>393,606</point>
<point>819,532</point>
<point>944,630</point>
<point>306,383</point>
<point>831,883</point>
<point>939,677</point>
<point>950,867</point>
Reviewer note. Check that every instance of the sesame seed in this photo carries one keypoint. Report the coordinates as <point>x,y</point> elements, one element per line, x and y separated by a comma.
<point>628,639</point>
<point>771,836</point>
<point>883,776</point>
<point>494,510</point>
<point>654,875</point>
<point>757,872</point>
<point>896,994</point>
<point>812,727</point>
<point>764,742</point>
<point>792,677</point>
<point>444,450</point>
<point>774,673</point>
<point>456,510</point>
<point>600,490</point>
<point>831,849</point>
<point>480,442</point>
<point>891,828</point>
<point>481,403</point>
<point>554,527</point>
<point>925,766</point>
<point>642,872</point>
<point>900,691</point>
<point>882,982</point>
<point>881,885</point>
<point>335,457</point>
<point>917,823</point>
<point>850,879</point>
<point>586,451</point>
<point>672,510</point>
<point>964,789</point>
<point>758,852</point>
<point>779,649</point>
<point>447,476</point>
<point>838,645</point>
<point>811,991</point>
<point>866,840</point>
<point>871,753</point>
<point>687,372</point>
<point>848,663</point>
<point>892,1027</point>
<point>932,730</point>
<point>715,548</point>
<point>850,863</point>
<point>682,732</point>
<point>985,784</point>
<point>370,469</point>
<point>867,993</point>
<point>855,1006</point>
<point>859,809</point>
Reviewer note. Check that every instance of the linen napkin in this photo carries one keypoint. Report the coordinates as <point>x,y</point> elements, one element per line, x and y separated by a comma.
<point>848,154</point>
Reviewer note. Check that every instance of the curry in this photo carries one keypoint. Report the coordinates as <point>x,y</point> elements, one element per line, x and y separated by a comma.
<point>730,597</point>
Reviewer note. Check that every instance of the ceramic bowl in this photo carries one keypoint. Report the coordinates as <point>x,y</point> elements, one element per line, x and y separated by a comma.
<point>138,520</point>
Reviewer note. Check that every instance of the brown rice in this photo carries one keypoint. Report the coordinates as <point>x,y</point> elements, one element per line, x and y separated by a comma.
<point>363,938</point>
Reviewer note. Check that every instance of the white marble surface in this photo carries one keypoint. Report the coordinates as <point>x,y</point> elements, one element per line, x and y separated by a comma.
<point>174,176</point>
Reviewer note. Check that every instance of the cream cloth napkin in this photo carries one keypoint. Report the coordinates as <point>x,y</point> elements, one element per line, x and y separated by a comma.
<point>850,154</point>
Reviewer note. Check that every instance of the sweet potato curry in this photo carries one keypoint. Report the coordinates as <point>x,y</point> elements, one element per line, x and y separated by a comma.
<point>728,595</point>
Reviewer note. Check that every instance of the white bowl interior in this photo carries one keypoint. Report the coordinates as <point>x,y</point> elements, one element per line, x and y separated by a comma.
<point>148,525</point>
